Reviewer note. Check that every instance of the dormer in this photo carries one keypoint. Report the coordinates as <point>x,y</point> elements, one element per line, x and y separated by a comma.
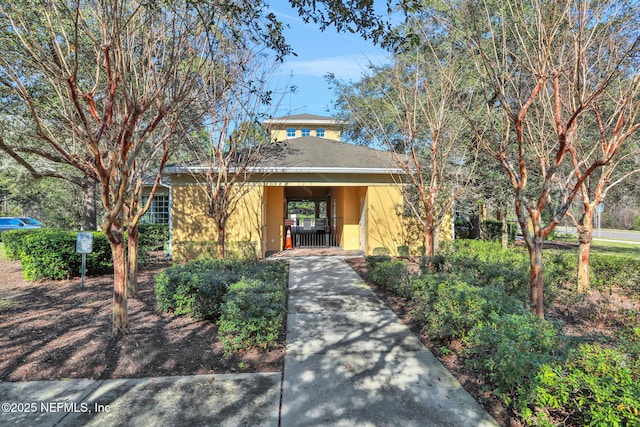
<point>301,125</point>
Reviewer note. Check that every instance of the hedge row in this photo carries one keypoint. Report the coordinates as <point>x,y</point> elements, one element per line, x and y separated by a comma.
<point>51,253</point>
<point>246,298</point>
<point>475,295</point>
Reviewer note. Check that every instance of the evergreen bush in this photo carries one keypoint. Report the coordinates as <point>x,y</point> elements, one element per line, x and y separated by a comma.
<point>391,274</point>
<point>153,237</point>
<point>195,289</point>
<point>252,315</point>
<point>512,348</point>
<point>595,385</point>
<point>51,253</point>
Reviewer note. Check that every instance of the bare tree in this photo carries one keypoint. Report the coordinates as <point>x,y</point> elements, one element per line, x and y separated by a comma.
<point>411,109</point>
<point>546,67</point>
<point>232,142</point>
<point>121,74</point>
<point>593,192</point>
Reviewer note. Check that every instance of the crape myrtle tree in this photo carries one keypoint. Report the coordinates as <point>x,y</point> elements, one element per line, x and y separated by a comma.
<point>594,190</point>
<point>236,96</point>
<point>106,86</point>
<point>120,74</point>
<point>410,108</point>
<point>548,69</point>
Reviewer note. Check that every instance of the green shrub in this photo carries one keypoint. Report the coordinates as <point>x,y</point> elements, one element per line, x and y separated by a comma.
<point>252,315</point>
<point>494,230</point>
<point>614,271</point>
<point>403,250</point>
<point>448,307</point>
<point>51,254</point>
<point>487,263</point>
<point>594,386</point>
<point>512,348</point>
<point>373,260</point>
<point>434,264</point>
<point>153,237</point>
<point>100,260</point>
<point>381,251</point>
<point>195,289</point>
<point>391,274</point>
<point>14,242</point>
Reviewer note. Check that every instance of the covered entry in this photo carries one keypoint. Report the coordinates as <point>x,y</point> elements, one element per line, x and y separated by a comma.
<point>317,215</point>
<point>310,216</point>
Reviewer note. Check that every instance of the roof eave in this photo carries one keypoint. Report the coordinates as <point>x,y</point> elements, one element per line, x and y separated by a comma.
<point>291,170</point>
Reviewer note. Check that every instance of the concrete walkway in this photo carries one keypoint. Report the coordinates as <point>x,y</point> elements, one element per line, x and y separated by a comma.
<point>198,400</point>
<point>351,362</point>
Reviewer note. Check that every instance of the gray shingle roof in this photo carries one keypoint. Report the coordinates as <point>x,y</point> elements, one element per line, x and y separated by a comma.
<point>313,152</point>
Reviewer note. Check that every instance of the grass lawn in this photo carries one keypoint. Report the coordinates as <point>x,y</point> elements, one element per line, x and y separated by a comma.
<point>616,248</point>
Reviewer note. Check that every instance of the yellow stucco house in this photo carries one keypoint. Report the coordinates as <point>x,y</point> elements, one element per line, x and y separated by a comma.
<point>355,191</point>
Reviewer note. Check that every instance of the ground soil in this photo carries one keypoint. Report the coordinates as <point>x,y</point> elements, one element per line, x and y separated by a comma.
<point>53,330</point>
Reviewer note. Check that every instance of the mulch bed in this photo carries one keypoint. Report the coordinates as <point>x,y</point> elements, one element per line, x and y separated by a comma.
<point>55,330</point>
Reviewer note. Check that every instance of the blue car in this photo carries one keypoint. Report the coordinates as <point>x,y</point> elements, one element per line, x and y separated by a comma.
<point>18,223</point>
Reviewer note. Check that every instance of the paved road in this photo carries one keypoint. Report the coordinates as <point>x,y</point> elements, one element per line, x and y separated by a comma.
<point>607,234</point>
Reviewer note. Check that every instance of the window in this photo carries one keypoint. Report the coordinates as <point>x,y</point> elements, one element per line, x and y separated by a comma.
<point>291,132</point>
<point>320,133</point>
<point>158,212</point>
<point>306,132</point>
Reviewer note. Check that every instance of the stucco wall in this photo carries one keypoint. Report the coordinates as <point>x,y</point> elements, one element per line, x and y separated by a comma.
<point>259,217</point>
<point>194,231</point>
<point>274,214</point>
<point>385,223</point>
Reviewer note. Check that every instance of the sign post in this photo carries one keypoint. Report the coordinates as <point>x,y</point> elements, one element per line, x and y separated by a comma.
<point>84,246</point>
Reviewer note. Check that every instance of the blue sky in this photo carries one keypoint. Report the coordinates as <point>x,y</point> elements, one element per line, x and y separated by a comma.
<point>319,53</point>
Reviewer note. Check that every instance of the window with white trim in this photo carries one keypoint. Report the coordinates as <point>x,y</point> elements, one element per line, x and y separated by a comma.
<point>306,132</point>
<point>158,212</point>
<point>320,133</point>
<point>291,132</point>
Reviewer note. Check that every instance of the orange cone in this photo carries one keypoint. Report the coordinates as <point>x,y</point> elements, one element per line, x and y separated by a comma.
<point>288,243</point>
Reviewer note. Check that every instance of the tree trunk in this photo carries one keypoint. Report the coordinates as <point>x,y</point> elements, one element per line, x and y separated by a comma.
<point>474,232</point>
<point>132,258</point>
<point>118,251</point>
<point>89,221</point>
<point>535,275</point>
<point>221,252</point>
<point>504,232</point>
<point>585,235</point>
<point>428,242</point>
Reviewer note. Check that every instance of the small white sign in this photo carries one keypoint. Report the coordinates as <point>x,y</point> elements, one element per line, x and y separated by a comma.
<point>84,243</point>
